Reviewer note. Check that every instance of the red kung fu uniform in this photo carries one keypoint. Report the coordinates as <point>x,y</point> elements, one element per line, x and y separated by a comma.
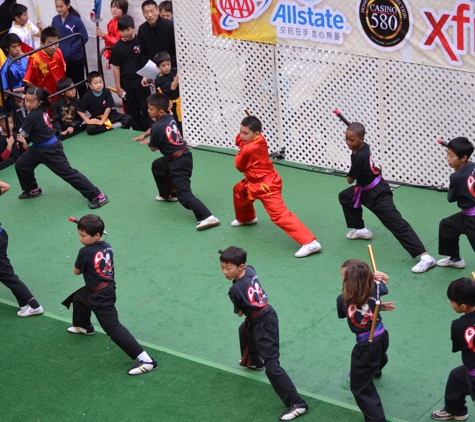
<point>112,36</point>
<point>264,183</point>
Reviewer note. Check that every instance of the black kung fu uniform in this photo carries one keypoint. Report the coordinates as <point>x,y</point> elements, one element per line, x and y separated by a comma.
<point>167,138</point>
<point>65,115</point>
<point>155,39</point>
<point>96,262</point>
<point>49,151</point>
<point>164,82</point>
<point>96,105</point>
<point>126,55</point>
<point>260,332</point>
<point>462,191</point>
<point>378,200</point>
<point>366,358</point>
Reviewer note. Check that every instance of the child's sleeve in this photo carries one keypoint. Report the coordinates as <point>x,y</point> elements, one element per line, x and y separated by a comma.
<point>455,336</point>
<point>453,193</point>
<point>57,124</point>
<point>165,85</point>
<point>340,307</point>
<point>31,75</point>
<point>243,158</point>
<point>108,98</point>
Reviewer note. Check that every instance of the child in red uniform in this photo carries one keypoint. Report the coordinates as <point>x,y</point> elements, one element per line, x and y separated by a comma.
<point>264,183</point>
<point>46,67</point>
<point>118,9</point>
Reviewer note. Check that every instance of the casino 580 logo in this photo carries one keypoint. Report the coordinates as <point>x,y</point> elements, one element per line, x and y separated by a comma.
<point>385,24</point>
<point>234,12</point>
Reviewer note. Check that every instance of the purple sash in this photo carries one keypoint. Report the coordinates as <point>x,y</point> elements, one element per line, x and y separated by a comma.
<point>471,372</point>
<point>357,195</point>
<point>365,336</point>
<point>470,212</point>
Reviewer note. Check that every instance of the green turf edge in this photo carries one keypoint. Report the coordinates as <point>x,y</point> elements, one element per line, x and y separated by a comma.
<point>213,365</point>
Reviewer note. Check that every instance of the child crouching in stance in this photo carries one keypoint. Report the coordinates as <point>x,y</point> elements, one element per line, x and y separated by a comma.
<point>96,263</point>
<point>461,381</point>
<point>259,333</point>
<point>361,288</point>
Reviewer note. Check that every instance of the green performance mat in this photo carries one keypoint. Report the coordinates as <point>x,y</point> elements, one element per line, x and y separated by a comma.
<point>172,296</point>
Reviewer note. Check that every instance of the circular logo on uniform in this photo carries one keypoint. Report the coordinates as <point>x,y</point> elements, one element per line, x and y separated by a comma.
<point>385,24</point>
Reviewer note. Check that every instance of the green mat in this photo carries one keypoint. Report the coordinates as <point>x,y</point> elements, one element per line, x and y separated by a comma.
<point>172,295</point>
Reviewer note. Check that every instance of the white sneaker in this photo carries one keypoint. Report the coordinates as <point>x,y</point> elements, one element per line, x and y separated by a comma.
<point>79,330</point>
<point>211,221</point>
<point>236,223</point>
<point>308,249</point>
<point>116,125</point>
<point>169,199</point>
<point>27,310</point>
<point>447,262</point>
<point>359,234</point>
<point>423,265</point>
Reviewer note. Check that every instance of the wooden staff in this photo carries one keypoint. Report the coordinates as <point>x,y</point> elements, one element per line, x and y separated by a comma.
<point>378,302</point>
<point>473,275</point>
<point>247,112</point>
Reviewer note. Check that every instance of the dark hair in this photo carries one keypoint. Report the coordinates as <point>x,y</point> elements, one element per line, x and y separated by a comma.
<point>161,57</point>
<point>64,83</point>
<point>71,8</point>
<point>91,224</point>
<point>159,101</point>
<point>462,291</point>
<point>121,4</point>
<point>41,94</point>
<point>253,123</point>
<point>167,6</point>
<point>357,128</point>
<point>460,147</point>
<point>49,32</point>
<point>233,255</point>
<point>10,39</point>
<point>149,3</point>
<point>358,282</point>
<point>124,22</point>
<point>17,9</point>
<point>92,75</point>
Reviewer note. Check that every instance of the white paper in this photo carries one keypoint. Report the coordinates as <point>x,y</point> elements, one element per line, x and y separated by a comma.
<point>149,70</point>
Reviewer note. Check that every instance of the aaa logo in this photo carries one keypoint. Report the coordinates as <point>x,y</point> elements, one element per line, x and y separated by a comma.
<point>234,12</point>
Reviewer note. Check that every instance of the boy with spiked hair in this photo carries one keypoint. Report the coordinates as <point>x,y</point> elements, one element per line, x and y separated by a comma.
<point>462,191</point>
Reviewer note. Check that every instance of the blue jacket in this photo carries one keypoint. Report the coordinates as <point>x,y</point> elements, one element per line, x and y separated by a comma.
<point>71,48</point>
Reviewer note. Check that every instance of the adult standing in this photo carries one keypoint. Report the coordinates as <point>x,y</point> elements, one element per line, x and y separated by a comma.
<point>155,34</point>
<point>68,21</point>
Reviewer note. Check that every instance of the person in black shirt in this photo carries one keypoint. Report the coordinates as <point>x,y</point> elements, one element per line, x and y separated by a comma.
<point>66,119</point>
<point>360,291</point>
<point>461,381</point>
<point>259,333</point>
<point>99,103</point>
<point>49,151</point>
<point>373,192</point>
<point>125,58</point>
<point>462,191</point>
<point>95,262</point>
<point>176,165</point>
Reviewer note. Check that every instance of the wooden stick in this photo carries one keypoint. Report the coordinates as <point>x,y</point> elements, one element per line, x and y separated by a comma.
<point>247,112</point>
<point>378,302</point>
<point>473,275</point>
<point>112,89</point>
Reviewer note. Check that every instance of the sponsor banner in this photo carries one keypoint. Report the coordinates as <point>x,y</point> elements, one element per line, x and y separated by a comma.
<point>436,32</point>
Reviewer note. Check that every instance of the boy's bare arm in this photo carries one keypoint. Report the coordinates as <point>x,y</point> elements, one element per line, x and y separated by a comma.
<point>84,117</point>
<point>105,116</point>
<point>116,71</point>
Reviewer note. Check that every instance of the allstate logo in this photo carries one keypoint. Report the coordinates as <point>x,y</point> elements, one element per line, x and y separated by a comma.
<point>233,12</point>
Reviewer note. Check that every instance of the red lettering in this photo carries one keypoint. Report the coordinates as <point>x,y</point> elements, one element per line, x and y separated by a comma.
<point>460,19</point>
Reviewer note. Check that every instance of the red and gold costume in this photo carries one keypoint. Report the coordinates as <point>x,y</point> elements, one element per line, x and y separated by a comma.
<point>264,183</point>
<point>45,71</point>
<point>112,36</point>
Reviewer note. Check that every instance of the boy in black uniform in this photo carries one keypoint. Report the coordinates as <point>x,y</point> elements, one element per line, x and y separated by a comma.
<point>259,333</point>
<point>125,58</point>
<point>373,192</point>
<point>66,119</point>
<point>95,262</point>
<point>167,83</point>
<point>462,190</point>
<point>29,306</point>
<point>176,165</point>
<point>461,381</point>
<point>99,103</point>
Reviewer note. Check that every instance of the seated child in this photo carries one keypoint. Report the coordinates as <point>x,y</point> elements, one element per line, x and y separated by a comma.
<point>166,10</point>
<point>118,9</point>
<point>13,145</point>
<point>259,333</point>
<point>95,262</point>
<point>66,119</point>
<point>23,27</point>
<point>264,183</point>
<point>167,83</point>
<point>462,191</point>
<point>46,67</point>
<point>99,103</point>
<point>461,381</point>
